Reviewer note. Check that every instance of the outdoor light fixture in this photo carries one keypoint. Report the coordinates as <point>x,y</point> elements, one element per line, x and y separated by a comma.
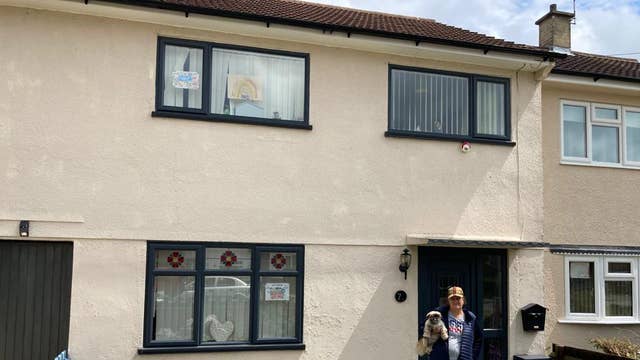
<point>405,262</point>
<point>24,228</point>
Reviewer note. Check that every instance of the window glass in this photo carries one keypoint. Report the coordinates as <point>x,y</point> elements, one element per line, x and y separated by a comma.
<point>605,144</point>
<point>231,259</point>
<point>278,261</point>
<point>173,308</point>
<point>492,292</point>
<point>618,298</point>
<point>277,308</point>
<point>606,113</point>
<point>182,77</point>
<point>619,267</point>
<point>175,260</point>
<point>574,130</point>
<point>257,85</point>
<point>490,108</point>
<point>632,121</point>
<point>430,103</point>
<point>226,312</point>
<point>582,287</point>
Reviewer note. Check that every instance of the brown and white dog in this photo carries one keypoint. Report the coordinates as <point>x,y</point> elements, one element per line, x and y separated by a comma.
<point>433,330</point>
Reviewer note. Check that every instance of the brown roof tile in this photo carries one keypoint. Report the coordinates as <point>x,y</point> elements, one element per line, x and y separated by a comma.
<point>302,13</point>
<point>599,66</point>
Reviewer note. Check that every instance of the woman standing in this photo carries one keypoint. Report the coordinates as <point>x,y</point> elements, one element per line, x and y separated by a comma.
<point>465,335</point>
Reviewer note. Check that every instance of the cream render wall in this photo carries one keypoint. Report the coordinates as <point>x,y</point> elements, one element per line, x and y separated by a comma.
<point>583,205</point>
<point>82,155</point>
<point>586,205</point>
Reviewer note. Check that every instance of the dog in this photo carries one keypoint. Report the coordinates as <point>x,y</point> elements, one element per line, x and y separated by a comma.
<point>433,330</point>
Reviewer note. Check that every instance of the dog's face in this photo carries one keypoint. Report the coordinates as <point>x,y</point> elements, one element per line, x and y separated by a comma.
<point>434,317</point>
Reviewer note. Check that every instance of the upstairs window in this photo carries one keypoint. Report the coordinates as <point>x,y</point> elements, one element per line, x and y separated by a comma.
<point>206,81</point>
<point>434,104</point>
<point>600,134</point>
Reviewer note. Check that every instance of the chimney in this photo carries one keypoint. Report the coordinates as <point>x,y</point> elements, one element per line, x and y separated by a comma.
<point>555,30</point>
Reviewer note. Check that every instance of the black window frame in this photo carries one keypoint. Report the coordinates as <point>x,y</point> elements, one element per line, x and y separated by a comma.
<point>200,271</point>
<point>473,136</point>
<point>205,112</point>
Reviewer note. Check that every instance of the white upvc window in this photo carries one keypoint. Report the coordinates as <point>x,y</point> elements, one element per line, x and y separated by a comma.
<point>601,289</point>
<point>599,134</point>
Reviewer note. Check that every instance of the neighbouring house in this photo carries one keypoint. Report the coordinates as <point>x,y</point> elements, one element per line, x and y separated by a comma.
<point>239,179</point>
<point>591,152</point>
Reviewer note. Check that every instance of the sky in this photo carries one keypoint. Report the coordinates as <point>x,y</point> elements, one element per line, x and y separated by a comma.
<point>606,27</point>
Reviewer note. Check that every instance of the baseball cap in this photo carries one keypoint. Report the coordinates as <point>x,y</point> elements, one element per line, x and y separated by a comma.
<point>455,291</point>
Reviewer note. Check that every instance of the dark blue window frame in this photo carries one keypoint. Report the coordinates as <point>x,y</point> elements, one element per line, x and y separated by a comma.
<point>198,345</point>
<point>204,113</point>
<point>473,136</point>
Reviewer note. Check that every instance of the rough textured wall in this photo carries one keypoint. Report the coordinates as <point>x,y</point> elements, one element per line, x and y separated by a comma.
<point>79,144</point>
<point>349,309</point>
<point>586,205</point>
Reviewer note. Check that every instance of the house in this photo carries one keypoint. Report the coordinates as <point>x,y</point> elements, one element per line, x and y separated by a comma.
<point>190,177</point>
<point>591,152</point>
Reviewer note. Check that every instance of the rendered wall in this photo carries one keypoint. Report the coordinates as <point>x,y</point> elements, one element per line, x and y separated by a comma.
<point>583,205</point>
<point>586,205</point>
<point>82,154</point>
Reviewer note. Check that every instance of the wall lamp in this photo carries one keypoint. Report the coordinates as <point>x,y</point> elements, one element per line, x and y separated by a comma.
<point>405,262</point>
<point>24,228</point>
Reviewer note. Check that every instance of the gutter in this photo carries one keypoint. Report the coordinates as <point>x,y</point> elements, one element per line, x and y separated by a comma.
<point>595,76</point>
<point>186,9</point>
<point>587,80</point>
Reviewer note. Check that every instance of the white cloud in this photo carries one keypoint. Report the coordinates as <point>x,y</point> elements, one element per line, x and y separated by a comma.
<point>602,26</point>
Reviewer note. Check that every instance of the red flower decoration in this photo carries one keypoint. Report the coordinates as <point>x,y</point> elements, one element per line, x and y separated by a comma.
<point>175,259</point>
<point>278,261</point>
<point>228,258</point>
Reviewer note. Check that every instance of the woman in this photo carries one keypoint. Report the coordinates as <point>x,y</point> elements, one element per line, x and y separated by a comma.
<point>465,335</point>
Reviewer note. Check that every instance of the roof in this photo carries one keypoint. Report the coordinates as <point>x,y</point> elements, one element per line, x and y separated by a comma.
<point>334,18</point>
<point>599,66</point>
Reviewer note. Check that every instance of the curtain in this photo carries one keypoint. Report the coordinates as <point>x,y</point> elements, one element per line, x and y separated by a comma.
<point>173,303</point>
<point>605,144</point>
<point>618,298</point>
<point>227,299</point>
<point>178,58</point>
<point>490,108</point>
<point>431,103</point>
<point>582,288</point>
<point>277,318</point>
<point>281,79</point>
<point>574,122</point>
<point>632,120</point>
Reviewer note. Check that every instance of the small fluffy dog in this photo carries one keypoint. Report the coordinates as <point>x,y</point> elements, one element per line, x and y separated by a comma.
<point>433,330</point>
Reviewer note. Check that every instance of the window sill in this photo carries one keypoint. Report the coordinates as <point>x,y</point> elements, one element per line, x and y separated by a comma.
<point>600,165</point>
<point>599,322</point>
<point>219,348</point>
<point>233,119</point>
<point>413,135</point>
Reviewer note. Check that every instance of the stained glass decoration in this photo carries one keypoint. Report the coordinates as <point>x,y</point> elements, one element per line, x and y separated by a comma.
<point>278,261</point>
<point>228,258</point>
<point>175,259</point>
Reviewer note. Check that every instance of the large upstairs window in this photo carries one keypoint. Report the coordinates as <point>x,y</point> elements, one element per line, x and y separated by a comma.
<point>206,81</point>
<point>442,105</point>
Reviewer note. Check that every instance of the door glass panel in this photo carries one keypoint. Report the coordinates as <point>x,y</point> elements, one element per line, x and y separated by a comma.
<point>444,283</point>
<point>492,292</point>
<point>493,348</point>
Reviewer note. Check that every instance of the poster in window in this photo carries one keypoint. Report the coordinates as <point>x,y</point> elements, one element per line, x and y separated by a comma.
<point>276,292</point>
<point>186,80</point>
<point>580,270</point>
<point>241,87</point>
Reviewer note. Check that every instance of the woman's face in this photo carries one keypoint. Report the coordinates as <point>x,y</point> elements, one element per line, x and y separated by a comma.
<point>456,302</point>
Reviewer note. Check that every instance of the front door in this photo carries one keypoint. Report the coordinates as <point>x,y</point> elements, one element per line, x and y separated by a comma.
<point>482,274</point>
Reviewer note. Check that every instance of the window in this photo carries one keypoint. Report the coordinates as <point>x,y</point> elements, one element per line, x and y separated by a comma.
<point>434,104</point>
<point>206,81</point>
<point>600,134</point>
<point>601,288</point>
<point>223,296</point>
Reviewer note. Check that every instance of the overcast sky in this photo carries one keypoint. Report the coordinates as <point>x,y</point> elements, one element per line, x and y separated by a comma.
<point>602,26</point>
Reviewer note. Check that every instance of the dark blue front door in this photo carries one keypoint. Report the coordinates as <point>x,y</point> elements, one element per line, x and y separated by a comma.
<point>482,273</point>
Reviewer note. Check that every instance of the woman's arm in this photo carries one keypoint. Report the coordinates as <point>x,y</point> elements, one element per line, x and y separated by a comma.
<point>477,340</point>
